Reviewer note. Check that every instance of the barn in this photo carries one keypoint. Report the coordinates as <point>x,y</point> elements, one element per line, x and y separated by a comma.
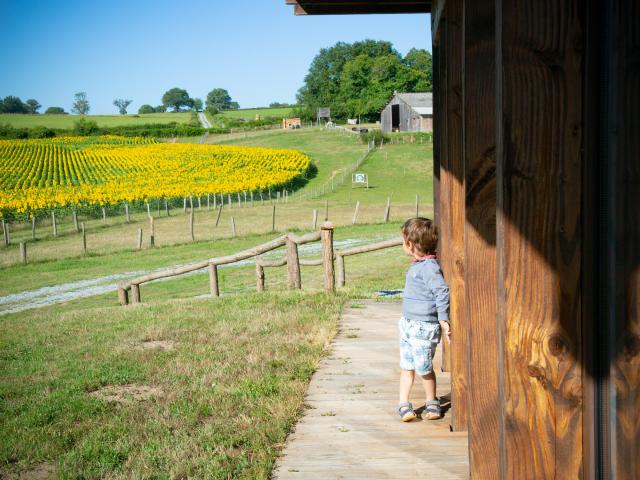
<point>408,112</point>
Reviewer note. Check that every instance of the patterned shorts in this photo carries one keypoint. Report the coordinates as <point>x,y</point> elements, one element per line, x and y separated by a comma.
<point>418,342</point>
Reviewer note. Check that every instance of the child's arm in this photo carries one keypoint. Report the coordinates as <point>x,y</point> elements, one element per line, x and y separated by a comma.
<point>440,291</point>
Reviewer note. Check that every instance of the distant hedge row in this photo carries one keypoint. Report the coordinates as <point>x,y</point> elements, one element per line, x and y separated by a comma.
<point>158,130</point>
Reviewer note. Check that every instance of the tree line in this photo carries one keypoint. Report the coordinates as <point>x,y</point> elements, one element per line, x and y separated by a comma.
<point>176,100</point>
<point>358,79</point>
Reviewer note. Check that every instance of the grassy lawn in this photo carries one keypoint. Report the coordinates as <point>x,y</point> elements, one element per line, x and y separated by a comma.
<point>67,121</point>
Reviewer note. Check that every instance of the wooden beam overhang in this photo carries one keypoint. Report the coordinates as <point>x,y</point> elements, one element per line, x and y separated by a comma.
<point>348,7</point>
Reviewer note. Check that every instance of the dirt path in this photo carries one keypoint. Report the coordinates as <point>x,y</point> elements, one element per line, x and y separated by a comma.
<point>204,121</point>
<point>351,428</point>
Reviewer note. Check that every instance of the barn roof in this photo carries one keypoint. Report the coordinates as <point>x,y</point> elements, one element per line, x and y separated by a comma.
<point>342,7</point>
<point>421,103</point>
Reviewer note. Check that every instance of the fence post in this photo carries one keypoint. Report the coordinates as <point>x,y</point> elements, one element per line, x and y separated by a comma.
<point>326,239</point>
<point>54,225</point>
<point>5,232</point>
<point>229,200</point>
<point>139,238</point>
<point>135,293</point>
<point>158,206</point>
<point>315,219</point>
<point>341,272</point>
<point>184,204</point>
<point>215,201</point>
<point>261,198</point>
<point>259,277</point>
<point>104,214</point>
<point>355,213</point>
<point>387,209</point>
<point>152,240</point>
<point>273,218</point>
<point>191,202</point>
<point>417,205</point>
<point>166,206</point>
<point>219,212</point>
<point>213,280</point>
<point>33,227</point>
<point>208,201</point>
<point>199,202</point>
<point>239,200</point>
<point>84,238</point>
<point>233,227</point>
<point>123,295</point>
<point>23,252</point>
<point>326,210</point>
<point>75,220</point>
<point>191,225</point>
<point>126,212</point>
<point>293,265</point>
<point>251,196</point>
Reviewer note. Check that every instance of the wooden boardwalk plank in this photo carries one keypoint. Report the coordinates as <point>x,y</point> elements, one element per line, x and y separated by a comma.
<point>351,428</point>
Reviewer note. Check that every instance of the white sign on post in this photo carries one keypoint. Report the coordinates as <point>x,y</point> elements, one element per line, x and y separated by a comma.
<point>359,179</point>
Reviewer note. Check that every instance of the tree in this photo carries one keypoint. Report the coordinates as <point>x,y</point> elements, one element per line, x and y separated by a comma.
<point>122,105</point>
<point>359,78</point>
<point>219,99</point>
<point>80,104</point>
<point>55,111</point>
<point>176,98</point>
<point>32,106</point>
<point>146,109</point>
<point>11,104</point>
<point>279,105</point>
<point>160,109</point>
<point>85,127</point>
<point>197,104</point>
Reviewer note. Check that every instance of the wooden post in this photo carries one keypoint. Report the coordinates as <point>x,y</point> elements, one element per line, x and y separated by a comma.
<point>199,202</point>
<point>239,200</point>
<point>23,252</point>
<point>387,210</point>
<point>326,240</point>
<point>123,295</point>
<point>191,225</point>
<point>417,205</point>
<point>326,210</point>
<point>293,265</point>
<point>184,204</point>
<point>139,238</point>
<point>104,215</point>
<point>273,218</point>
<point>233,227</point>
<point>33,227</point>
<point>148,210</point>
<point>219,213</point>
<point>54,225</point>
<point>166,206</point>
<point>261,198</point>
<point>245,198</point>
<point>158,206</point>
<point>355,213</point>
<point>74,214</point>
<point>215,201</point>
<point>480,301</point>
<point>135,293</point>
<point>126,213</point>
<point>84,238</point>
<point>213,280</point>
<point>259,277</point>
<point>152,239</point>
<point>208,201</point>
<point>5,231</point>
<point>277,197</point>
<point>191,202</point>
<point>314,223</point>
<point>229,200</point>
<point>341,271</point>
<point>252,198</point>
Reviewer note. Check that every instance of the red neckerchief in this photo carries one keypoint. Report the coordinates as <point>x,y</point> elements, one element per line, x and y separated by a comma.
<point>426,257</point>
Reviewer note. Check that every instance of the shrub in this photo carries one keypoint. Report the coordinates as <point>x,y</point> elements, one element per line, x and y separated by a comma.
<point>41,132</point>
<point>84,127</point>
<point>146,109</point>
<point>376,135</point>
<point>56,111</point>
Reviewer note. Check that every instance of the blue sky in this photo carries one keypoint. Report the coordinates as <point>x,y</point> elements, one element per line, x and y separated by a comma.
<point>256,49</point>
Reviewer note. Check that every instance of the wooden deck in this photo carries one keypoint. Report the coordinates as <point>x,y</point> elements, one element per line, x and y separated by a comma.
<point>352,430</point>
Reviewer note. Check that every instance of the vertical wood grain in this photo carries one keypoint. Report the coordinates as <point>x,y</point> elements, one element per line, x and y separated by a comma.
<point>480,236</point>
<point>539,198</point>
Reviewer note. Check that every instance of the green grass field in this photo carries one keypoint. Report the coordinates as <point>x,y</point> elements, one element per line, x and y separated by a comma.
<point>250,113</point>
<point>67,121</point>
<point>86,393</point>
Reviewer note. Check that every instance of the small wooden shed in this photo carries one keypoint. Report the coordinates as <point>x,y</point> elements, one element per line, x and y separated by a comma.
<point>408,112</point>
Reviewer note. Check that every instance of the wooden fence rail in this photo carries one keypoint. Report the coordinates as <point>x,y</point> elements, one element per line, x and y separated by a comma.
<point>291,260</point>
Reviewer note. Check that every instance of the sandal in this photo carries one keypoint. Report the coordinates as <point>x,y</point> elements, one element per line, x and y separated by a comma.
<point>406,412</point>
<point>432,410</point>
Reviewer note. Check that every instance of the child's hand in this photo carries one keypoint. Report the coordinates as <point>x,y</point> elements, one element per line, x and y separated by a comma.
<point>446,330</point>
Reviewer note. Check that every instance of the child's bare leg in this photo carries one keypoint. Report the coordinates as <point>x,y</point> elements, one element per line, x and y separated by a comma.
<point>406,382</point>
<point>429,384</point>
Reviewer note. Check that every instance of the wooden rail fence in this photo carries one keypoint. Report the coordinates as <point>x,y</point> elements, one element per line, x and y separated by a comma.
<point>130,292</point>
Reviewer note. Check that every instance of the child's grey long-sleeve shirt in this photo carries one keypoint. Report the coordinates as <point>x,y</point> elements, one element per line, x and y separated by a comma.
<point>426,294</point>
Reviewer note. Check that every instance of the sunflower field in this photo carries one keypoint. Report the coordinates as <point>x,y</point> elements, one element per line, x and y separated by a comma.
<point>63,171</point>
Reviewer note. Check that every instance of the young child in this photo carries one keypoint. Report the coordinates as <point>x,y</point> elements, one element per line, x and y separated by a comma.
<point>425,316</point>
